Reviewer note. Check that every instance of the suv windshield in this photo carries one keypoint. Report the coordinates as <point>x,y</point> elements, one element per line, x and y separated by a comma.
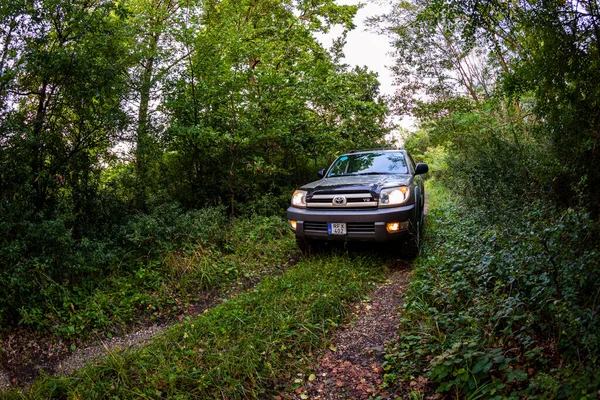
<point>369,164</point>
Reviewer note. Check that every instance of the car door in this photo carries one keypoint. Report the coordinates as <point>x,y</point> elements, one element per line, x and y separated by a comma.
<point>419,185</point>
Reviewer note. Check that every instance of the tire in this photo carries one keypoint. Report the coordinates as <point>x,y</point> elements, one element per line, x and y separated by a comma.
<point>412,246</point>
<point>307,246</point>
<point>422,219</point>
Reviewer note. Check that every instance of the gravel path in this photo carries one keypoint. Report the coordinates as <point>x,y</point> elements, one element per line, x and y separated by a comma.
<point>4,381</point>
<point>351,368</point>
<point>82,357</point>
<point>23,356</point>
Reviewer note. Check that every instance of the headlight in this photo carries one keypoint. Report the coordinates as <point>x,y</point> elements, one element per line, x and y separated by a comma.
<point>391,197</point>
<point>299,198</point>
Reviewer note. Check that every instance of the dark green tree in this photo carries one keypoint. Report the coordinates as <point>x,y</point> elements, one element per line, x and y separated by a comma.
<point>259,97</point>
<point>538,76</point>
<point>64,103</point>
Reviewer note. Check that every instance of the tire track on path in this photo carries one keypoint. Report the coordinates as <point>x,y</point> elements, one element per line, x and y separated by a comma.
<point>351,367</point>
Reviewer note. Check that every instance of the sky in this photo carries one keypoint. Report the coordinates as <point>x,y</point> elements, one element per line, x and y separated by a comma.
<point>364,47</point>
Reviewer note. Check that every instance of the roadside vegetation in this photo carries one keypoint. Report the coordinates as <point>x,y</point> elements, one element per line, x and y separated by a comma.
<point>246,347</point>
<point>505,300</point>
<point>178,258</point>
<point>501,305</point>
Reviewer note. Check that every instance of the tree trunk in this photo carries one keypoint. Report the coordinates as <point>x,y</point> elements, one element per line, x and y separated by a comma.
<point>37,156</point>
<point>143,129</point>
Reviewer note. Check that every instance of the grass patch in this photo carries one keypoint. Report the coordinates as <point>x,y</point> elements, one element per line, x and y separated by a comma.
<point>165,284</point>
<point>503,304</point>
<point>239,349</point>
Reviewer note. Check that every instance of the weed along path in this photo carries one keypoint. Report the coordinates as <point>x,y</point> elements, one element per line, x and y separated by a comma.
<point>211,277</point>
<point>258,342</point>
<point>351,368</point>
<point>26,356</point>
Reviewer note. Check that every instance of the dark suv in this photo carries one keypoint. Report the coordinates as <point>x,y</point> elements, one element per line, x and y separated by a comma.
<point>371,195</point>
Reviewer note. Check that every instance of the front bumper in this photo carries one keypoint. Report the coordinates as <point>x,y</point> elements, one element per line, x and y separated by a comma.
<point>366,225</point>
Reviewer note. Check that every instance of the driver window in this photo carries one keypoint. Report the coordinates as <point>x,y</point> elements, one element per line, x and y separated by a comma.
<point>412,162</point>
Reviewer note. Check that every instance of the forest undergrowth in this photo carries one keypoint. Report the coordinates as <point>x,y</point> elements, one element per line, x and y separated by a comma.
<point>503,304</point>
<point>173,257</point>
<point>183,267</point>
<point>246,347</point>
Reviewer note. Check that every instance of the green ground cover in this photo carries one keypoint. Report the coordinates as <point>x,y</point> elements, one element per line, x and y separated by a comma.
<point>503,304</point>
<point>176,259</point>
<point>242,348</point>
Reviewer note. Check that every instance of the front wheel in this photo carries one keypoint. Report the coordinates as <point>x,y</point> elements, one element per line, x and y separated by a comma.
<point>307,246</point>
<point>412,246</point>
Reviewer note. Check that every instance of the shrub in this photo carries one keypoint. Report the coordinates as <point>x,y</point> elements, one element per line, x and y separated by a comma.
<point>169,227</point>
<point>503,306</point>
<point>46,272</point>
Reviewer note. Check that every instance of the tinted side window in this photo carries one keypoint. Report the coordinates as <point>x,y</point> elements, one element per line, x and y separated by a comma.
<point>412,162</point>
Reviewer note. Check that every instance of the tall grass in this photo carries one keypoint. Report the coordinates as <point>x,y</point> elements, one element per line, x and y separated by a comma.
<point>242,348</point>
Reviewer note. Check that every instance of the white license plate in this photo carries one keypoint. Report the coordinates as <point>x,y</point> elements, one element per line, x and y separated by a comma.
<point>336,228</point>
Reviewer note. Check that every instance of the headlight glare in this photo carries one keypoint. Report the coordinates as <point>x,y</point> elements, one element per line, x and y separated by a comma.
<point>299,198</point>
<point>390,197</point>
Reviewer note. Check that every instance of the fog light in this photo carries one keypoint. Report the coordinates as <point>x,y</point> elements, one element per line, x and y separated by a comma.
<point>392,226</point>
<point>293,224</point>
<point>396,226</point>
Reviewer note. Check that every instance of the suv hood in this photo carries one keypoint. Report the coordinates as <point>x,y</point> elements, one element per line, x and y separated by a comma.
<point>352,183</point>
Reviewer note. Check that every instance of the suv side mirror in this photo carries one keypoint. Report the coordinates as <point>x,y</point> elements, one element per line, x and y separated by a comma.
<point>421,168</point>
<point>321,173</point>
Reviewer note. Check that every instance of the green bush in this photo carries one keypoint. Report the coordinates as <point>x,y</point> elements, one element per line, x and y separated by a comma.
<point>268,205</point>
<point>47,272</point>
<point>503,306</point>
<point>168,227</point>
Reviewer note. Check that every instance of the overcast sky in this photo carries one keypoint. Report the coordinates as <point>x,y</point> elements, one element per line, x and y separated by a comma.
<point>367,48</point>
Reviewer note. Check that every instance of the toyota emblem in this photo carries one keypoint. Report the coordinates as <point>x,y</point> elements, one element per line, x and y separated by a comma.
<point>339,201</point>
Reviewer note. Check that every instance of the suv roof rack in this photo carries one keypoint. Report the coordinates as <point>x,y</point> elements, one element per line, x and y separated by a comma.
<point>379,148</point>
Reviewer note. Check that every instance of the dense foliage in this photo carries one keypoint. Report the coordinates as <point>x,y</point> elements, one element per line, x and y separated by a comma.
<point>509,90</point>
<point>505,303</point>
<point>120,120</point>
<point>502,307</point>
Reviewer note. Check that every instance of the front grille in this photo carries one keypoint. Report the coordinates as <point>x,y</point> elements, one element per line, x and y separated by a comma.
<point>315,226</point>
<point>360,200</point>
<point>351,227</point>
<point>360,227</point>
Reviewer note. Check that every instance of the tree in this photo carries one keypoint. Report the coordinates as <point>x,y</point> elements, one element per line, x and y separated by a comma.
<point>62,100</point>
<point>258,94</point>
<point>435,63</point>
<point>537,73</point>
<point>154,22</point>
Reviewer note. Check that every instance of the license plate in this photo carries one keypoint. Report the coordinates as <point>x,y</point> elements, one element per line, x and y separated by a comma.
<point>336,228</point>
